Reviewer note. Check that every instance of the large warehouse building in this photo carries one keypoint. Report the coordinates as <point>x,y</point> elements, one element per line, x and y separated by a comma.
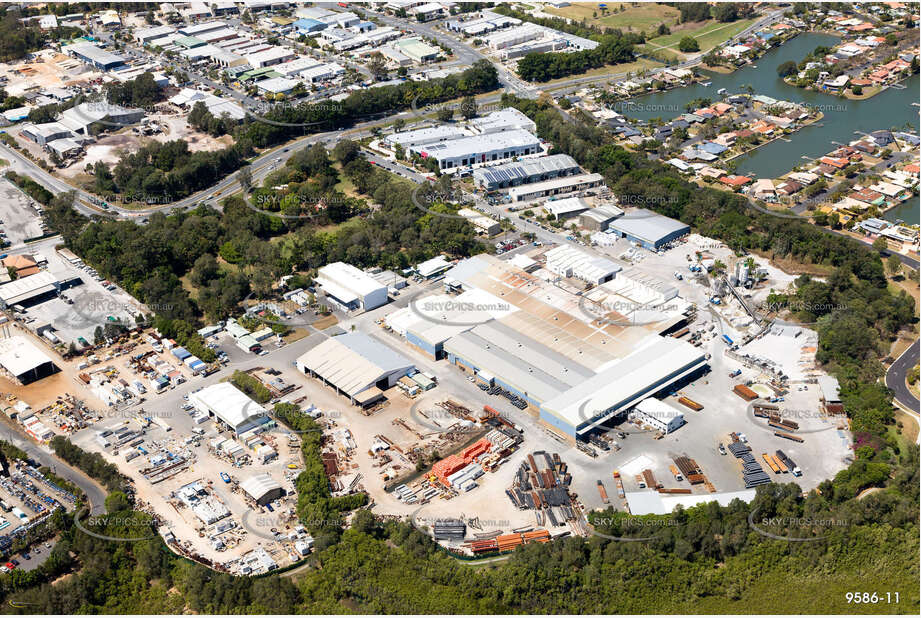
<point>648,228</point>
<point>29,290</point>
<point>474,149</point>
<point>351,288</point>
<point>356,365</point>
<point>96,56</point>
<point>230,405</point>
<point>24,361</point>
<point>519,331</point>
<point>644,373</point>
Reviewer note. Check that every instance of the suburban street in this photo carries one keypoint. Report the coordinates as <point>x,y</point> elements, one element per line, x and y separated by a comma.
<point>895,380</point>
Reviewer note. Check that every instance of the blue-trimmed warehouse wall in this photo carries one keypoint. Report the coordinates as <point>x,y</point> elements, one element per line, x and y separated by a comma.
<point>456,360</point>
<point>436,351</point>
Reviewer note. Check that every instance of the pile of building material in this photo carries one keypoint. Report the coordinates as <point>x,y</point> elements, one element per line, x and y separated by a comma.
<point>543,488</point>
<point>507,542</point>
<point>752,472</point>
<point>449,530</point>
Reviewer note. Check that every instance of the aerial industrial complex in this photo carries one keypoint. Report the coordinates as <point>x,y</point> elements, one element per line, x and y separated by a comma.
<point>483,323</point>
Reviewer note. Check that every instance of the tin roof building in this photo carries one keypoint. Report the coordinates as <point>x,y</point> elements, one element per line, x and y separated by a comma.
<point>356,365</point>
<point>350,287</point>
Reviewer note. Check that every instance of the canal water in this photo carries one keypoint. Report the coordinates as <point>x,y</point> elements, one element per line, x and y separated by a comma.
<point>892,108</point>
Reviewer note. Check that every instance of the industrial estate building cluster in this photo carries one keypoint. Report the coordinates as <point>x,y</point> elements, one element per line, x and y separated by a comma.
<point>598,339</point>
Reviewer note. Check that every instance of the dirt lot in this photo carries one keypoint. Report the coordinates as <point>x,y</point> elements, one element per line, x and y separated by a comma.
<point>50,69</point>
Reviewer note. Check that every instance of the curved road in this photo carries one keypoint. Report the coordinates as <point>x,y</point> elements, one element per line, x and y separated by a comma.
<point>895,379</point>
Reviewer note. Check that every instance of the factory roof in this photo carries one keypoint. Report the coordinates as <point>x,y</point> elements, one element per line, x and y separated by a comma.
<point>95,54</point>
<point>526,168</point>
<point>647,225</point>
<point>18,355</point>
<point>566,206</point>
<point>353,362</point>
<point>530,367</point>
<point>228,403</point>
<point>425,136</point>
<point>603,214</point>
<point>259,485</point>
<point>507,118</point>
<point>14,292</point>
<point>340,274</point>
<point>476,144</point>
<point>624,383</point>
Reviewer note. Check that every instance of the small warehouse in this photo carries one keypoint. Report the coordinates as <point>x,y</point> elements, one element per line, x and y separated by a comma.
<point>230,405</point>
<point>658,414</point>
<point>651,230</point>
<point>350,287</point>
<point>262,488</point>
<point>23,360</point>
<point>598,219</point>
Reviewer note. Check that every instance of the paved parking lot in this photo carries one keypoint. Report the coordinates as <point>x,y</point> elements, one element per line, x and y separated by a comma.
<point>92,303</point>
<point>19,218</point>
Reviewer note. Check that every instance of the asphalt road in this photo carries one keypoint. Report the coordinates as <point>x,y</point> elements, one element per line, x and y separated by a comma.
<point>895,378</point>
<point>95,494</point>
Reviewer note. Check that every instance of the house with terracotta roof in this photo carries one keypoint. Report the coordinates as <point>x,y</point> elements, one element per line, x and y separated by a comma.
<point>868,196</point>
<point>835,162</point>
<point>736,182</point>
<point>763,127</point>
<point>23,265</point>
<point>788,187</point>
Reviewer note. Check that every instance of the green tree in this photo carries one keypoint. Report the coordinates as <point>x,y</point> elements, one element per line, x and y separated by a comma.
<point>688,44</point>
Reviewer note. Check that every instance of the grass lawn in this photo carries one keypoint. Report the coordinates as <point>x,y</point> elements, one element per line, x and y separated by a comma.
<point>709,34</point>
<point>646,16</point>
<point>611,69</point>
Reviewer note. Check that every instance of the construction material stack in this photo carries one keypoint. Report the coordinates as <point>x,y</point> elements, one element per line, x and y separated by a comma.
<point>541,484</point>
<point>752,472</point>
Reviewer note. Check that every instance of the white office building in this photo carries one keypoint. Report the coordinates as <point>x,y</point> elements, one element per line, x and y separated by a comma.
<point>351,288</point>
<point>658,414</point>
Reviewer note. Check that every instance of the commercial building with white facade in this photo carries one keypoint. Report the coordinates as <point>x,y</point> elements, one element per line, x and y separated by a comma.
<point>658,414</point>
<point>230,405</point>
<point>472,150</point>
<point>557,186</point>
<point>350,287</point>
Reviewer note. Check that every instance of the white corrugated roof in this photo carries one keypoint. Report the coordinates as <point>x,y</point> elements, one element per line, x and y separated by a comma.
<point>353,362</point>
<point>623,383</point>
<point>19,355</point>
<point>347,277</point>
<point>228,403</point>
<point>259,485</point>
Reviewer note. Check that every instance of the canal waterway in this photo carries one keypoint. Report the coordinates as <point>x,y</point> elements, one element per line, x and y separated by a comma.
<point>843,121</point>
